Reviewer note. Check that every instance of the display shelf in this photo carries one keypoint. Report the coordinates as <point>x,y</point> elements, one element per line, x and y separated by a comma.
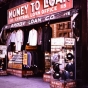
<point>3,73</point>
<point>62,84</point>
<point>47,77</point>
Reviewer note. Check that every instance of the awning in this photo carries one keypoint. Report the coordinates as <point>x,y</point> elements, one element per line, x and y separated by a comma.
<point>53,16</point>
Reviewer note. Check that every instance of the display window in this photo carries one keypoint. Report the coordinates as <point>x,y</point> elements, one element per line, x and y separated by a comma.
<point>3,60</point>
<point>63,62</point>
<point>47,48</point>
<point>62,56</point>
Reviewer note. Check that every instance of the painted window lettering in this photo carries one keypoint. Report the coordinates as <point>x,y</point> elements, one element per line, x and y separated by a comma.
<point>33,21</point>
<point>67,13</point>
<point>18,11</point>
<point>17,24</point>
<point>48,3</point>
<point>49,17</point>
<point>48,10</point>
<point>51,2</point>
<point>35,6</point>
<point>63,6</point>
<point>34,13</point>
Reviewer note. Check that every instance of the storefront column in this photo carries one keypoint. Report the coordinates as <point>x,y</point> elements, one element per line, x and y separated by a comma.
<point>84,5</point>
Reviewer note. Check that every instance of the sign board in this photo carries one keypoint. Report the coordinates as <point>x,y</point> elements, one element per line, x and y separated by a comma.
<point>24,59</point>
<point>61,41</point>
<point>57,41</point>
<point>53,16</point>
<point>37,8</point>
<point>69,41</point>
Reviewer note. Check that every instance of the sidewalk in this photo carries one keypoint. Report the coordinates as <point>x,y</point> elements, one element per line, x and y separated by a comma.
<point>17,82</point>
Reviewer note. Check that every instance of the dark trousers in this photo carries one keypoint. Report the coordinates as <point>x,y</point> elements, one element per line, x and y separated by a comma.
<point>12,46</point>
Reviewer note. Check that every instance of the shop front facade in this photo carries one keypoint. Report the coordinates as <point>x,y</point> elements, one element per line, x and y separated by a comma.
<point>38,30</point>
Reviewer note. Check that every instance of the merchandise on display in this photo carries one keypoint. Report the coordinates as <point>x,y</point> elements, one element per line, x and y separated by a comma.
<point>46,38</point>
<point>62,61</point>
<point>39,36</point>
<point>25,33</point>
<point>19,39</point>
<point>56,60</point>
<point>8,38</point>
<point>32,39</point>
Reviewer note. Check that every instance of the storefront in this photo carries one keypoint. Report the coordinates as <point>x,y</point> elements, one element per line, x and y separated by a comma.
<point>41,30</point>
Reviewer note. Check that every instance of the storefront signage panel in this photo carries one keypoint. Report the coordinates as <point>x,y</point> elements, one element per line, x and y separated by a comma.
<point>37,20</point>
<point>69,41</point>
<point>57,41</point>
<point>37,8</point>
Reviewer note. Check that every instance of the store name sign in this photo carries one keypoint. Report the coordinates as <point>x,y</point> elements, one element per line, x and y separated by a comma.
<point>40,19</point>
<point>37,8</point>
<point>18,11</point>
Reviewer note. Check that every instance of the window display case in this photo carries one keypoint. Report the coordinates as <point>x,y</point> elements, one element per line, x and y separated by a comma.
<point>3,60</point>
<point>15,60</point>
<point>23,63</point>
<point>47,74</point>
<point>15,63</point>
<point>47,62</point>
<point>63,62</point>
